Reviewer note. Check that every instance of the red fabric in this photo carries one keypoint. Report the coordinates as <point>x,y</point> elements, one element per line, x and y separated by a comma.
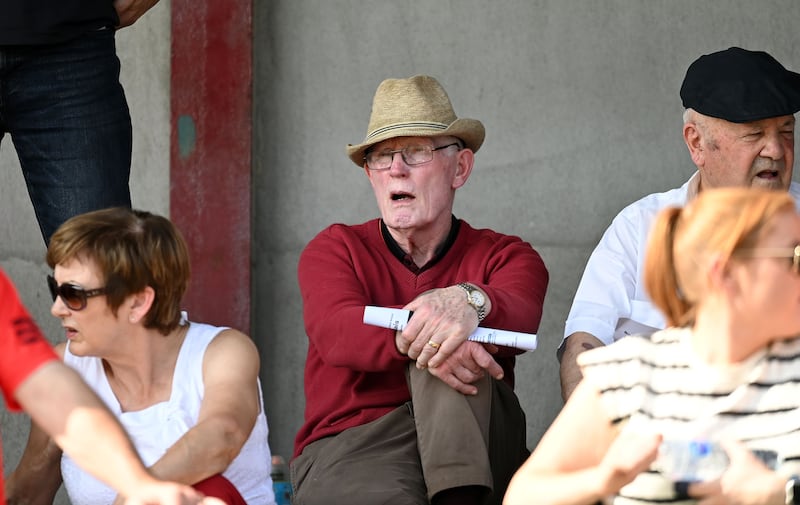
<point>354,373</point>
<point>22,349</point>
<point>218,486</point>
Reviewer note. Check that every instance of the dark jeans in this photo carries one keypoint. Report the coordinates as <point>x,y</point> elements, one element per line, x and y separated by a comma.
<point>66,113</point>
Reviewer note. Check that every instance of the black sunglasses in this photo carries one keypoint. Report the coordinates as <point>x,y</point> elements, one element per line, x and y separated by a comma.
<point>73,296</point>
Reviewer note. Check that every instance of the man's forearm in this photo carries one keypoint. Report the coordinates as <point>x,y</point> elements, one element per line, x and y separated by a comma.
<point>570,372</point>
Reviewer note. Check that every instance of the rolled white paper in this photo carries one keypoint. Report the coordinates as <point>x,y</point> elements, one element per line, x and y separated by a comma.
<point>384,317</point>
<point>396,319</point>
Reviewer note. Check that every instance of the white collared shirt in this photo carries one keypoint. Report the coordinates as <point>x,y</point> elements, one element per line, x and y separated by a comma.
<point>611,301</point>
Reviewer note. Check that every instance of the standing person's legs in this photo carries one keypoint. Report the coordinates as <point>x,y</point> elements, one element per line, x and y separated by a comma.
<point>67,115</point>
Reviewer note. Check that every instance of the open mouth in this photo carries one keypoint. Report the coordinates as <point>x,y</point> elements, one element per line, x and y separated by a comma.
<point>401,196</point>
<point>768,174</point>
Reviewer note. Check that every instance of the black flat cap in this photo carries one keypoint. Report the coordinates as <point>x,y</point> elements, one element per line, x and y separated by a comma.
<point>740,86</point>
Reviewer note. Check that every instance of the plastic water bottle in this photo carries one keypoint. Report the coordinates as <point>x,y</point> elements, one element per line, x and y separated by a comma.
<point>691,460</point>
<point>280,481</point>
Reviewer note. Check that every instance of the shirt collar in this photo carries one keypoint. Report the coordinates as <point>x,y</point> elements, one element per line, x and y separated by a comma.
<point>693,187</point>
<point>406,258</point>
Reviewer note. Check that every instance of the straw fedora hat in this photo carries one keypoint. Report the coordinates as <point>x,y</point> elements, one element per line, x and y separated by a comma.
<point>414,107</point>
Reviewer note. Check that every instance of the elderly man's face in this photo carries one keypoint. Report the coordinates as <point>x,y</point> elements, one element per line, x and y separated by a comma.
<point>417,197</point>
<point>758,154</point>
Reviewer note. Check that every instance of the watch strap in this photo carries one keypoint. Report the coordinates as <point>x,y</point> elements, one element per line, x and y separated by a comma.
<point>480,309</point>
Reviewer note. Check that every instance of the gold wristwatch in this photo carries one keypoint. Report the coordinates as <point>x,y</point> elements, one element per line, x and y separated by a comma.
<point>476,299</point>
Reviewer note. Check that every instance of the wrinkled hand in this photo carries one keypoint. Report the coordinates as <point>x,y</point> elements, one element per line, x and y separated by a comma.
<point>470,362</point>
<point>630,454</point>
<point>168,493</point>
<point>442,321</point>
<point>131,10</point>
<point>746,481</point>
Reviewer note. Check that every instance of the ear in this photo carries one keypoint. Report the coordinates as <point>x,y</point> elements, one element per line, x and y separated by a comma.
<point>723,275</point>
<point>140,303</point>
<point>694,141</point>
<point>716,272</point>
<point>464,167</point>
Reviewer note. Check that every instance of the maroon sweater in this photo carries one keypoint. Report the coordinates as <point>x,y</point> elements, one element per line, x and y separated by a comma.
<point>354,373</point>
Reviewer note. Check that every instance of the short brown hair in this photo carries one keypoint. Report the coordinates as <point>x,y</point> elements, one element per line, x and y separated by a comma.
<point>133,249</point>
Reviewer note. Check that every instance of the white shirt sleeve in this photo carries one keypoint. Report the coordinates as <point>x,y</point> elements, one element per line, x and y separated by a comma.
<point>611,301</point>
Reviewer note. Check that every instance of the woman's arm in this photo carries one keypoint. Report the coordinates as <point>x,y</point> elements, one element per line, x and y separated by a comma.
<point>37,477</point>
<point>228,412</point>
<point>581,459</point>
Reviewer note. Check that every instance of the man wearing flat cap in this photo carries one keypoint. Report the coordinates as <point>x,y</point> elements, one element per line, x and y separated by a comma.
<point>739,127</point>
<point>419,415</point>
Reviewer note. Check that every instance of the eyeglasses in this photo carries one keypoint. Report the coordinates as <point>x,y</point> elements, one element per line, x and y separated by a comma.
<point>792,253</point>
<point>73,296</point>
<point>412,155</point>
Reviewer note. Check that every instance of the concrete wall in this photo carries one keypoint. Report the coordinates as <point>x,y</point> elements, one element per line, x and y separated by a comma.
<point>579,99</point>
<point>581,107</point>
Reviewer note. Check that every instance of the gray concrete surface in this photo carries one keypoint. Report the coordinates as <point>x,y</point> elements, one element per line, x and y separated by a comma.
<point>580,103</point>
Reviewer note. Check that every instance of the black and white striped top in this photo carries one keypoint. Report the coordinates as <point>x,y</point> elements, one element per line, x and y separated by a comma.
<point>657,383</point>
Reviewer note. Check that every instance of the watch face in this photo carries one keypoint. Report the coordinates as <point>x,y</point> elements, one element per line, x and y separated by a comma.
<point>477,298</point>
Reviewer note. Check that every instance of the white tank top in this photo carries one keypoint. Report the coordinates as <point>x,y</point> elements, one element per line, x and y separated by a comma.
<point>156,428</point>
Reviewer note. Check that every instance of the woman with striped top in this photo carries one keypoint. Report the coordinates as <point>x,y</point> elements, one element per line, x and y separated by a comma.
<point>725,270</point>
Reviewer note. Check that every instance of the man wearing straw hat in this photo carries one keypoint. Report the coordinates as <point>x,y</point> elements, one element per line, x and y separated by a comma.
<point>420,415</point>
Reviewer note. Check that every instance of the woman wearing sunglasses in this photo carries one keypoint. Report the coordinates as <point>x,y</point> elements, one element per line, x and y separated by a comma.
<point>187,393</point>
<point>699,412</point>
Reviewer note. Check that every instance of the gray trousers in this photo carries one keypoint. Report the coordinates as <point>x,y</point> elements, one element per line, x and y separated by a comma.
<point>439,440</point>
